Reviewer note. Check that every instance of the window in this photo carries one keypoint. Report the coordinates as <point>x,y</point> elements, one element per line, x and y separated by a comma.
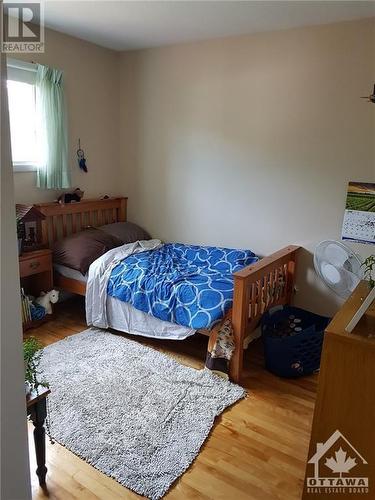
<point>38,133</point>
<point>23,115</point>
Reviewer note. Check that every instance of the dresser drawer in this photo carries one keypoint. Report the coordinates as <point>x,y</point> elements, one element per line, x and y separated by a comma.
<point>35,265</point>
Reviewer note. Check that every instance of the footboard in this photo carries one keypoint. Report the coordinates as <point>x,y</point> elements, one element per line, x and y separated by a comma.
<point>257,288</point>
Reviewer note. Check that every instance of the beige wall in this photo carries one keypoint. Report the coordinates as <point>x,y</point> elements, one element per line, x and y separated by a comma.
<point>92,91</point>
<point>251,141</point>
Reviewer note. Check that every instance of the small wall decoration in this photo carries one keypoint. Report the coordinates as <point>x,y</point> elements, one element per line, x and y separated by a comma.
<point>359,218</point>
<point>81,157</point>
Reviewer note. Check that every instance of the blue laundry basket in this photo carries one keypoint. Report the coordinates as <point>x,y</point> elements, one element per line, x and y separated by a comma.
<point>286,352</point>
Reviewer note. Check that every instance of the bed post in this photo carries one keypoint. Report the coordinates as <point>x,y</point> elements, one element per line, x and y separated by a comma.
<point>257,288</point>
<point>290,277</point>
<point>45,240</point>
<point>239,319</point>
<point>122,210</point>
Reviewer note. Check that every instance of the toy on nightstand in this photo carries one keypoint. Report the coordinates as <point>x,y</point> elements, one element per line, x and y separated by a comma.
<point>74,197</point>
<point>29,228</point>
<point>46,299</point>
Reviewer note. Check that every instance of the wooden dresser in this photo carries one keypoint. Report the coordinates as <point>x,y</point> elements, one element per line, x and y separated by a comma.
<point>344,414</point>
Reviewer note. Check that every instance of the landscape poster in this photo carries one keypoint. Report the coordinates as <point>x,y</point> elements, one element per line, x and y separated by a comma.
<point>359,218</point>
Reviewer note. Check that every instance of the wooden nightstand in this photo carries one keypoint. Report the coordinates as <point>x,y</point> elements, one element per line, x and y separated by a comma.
<point>36,276</point>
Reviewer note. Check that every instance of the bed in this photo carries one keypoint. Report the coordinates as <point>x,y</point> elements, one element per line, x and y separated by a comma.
<point>257,287</point>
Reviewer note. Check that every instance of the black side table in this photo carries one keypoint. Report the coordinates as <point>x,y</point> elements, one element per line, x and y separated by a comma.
<point>37,409</point>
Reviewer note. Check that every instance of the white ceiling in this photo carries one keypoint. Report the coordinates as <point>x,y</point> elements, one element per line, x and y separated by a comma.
<point>124,25</point>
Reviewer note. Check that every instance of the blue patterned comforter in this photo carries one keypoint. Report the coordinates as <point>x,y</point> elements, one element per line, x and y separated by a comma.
<point>184,284</point>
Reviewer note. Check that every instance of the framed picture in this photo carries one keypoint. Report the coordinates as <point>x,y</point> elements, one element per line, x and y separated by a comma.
<point>359,218</point>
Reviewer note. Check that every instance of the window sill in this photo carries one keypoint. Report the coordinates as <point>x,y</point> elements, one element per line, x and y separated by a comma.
<point>24,167</point>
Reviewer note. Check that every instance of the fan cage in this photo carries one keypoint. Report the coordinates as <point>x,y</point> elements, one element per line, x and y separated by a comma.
<point>320,257</point>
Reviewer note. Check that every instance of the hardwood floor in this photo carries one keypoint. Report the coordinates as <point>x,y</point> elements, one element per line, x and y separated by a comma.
<point>257,449</point>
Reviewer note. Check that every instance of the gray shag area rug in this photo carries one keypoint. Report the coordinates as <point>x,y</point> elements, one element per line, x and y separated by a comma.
<point>130,411</point>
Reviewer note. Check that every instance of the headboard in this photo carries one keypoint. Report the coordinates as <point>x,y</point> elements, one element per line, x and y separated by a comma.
<point>64,219</point>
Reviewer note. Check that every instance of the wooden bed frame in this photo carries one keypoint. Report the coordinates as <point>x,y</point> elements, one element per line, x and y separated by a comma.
<point>64,219</point>
<point>257,288</point>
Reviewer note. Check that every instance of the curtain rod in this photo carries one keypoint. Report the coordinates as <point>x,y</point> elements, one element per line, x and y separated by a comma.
<point>19,64</point>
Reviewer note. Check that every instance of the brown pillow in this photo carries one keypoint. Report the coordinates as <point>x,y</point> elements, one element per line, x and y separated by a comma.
<point>79,250</point>
<point>127,232</point>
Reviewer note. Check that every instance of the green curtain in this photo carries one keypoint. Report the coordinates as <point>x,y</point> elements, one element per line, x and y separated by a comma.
<point>53,171</point>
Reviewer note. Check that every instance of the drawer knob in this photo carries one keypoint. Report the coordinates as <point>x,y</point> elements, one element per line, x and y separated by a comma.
<point>35,264</point>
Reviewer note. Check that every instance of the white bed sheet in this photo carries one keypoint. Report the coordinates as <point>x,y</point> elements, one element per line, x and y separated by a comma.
<point>126,318</point>
<point>68,272</point>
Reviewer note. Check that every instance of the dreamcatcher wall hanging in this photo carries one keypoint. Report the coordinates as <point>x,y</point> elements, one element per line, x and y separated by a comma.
<point>81,157</point>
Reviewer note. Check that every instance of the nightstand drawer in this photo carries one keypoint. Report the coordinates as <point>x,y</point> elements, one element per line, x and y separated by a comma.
<point>35,265</point>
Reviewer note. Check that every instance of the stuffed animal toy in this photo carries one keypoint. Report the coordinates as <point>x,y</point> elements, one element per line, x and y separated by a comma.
<point>74,197</point>
<point>46,299</point>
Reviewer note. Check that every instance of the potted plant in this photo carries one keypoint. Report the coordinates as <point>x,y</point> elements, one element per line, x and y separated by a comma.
<point>369,270</point>
<point>31,355</point>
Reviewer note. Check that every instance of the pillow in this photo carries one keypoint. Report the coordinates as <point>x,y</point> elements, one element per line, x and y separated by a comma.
<point>127,232</point>
<point>79,250</point>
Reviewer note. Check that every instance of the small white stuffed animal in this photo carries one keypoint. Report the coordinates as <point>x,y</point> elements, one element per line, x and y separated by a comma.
<point>46,299</point>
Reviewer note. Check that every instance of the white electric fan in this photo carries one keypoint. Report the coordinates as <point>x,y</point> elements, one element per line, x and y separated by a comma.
<point>338,266</point>
<point>340,269</point>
